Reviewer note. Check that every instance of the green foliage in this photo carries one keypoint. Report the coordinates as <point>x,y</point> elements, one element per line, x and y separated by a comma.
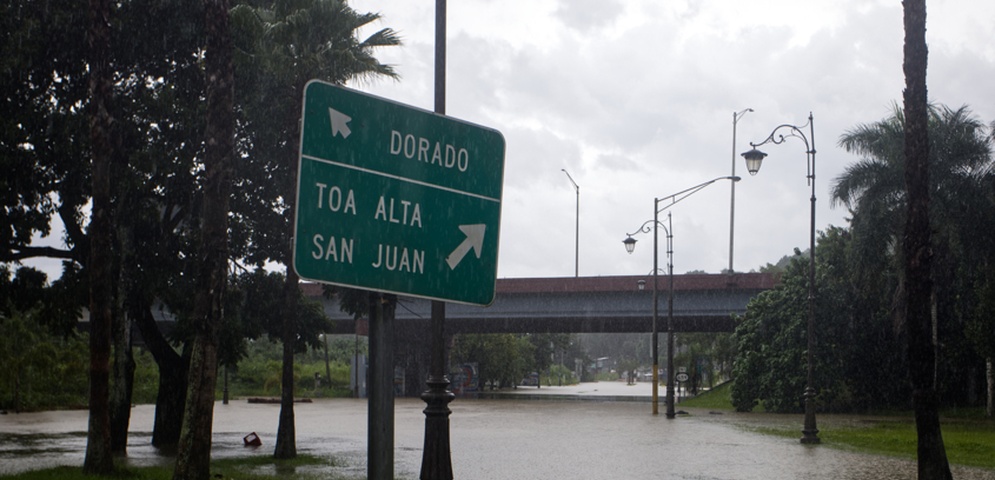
<point>718,398</point>
<point>961,221</point>
<point>40,370</point>
<point>778,267</point>
<point>146,384</point>
<point>502,359</point>
<point>981,328</point>
<point>708,357</point>
<point>259,372</point>
<point>627,348</point>
<point>770,364</point>
<point>279,47</point>
<point>56,306</point>
<point>545,347</point>
<point>559,375</point>
<point>859,359</point>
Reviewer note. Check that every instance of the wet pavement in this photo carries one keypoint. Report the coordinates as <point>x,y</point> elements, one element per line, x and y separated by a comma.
<point>501,438</point>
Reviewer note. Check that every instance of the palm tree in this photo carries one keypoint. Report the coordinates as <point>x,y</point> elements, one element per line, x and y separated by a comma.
<point>918,281</point>
<point>281,47</point>
<point>960,172</point>
<point>874,190</point>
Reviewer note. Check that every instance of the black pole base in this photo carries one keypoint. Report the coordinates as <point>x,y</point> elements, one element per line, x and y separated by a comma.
<point>810,437</point>
<point>810,434</point>
<point>436,458</point>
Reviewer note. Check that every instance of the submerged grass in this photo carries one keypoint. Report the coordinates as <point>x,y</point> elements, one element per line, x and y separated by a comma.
<point>243,468</point>
<point>967,443</point>
<point>968,436</point>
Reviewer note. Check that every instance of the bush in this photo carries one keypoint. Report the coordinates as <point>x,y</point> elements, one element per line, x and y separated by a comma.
<point>260,374</point>
<point>560,375</point>
<point>40,370</point>
<point>146,385</point>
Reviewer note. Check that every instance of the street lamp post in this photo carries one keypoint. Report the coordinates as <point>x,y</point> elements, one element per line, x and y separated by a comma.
<point>732,186</point>
<point>754,157</point>
<point>576,226</point>
<point>630,246</point>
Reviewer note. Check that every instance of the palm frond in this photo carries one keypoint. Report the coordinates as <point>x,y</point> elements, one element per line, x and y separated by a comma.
<point>866,177</point>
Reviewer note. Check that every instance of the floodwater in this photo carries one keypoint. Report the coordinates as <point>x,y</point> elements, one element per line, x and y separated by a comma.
<point>490,439</point>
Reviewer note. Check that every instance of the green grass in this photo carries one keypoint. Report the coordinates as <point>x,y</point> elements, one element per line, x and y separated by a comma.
<point>714,399</point>
<point>967,443</point>
<point>968,436</point>
<point>243,468</point>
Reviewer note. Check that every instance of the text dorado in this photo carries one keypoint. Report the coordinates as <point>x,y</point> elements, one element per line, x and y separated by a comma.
<point>425,150</point>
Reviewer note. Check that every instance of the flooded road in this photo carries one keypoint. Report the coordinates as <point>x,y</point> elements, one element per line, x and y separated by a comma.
<point>491,439</point>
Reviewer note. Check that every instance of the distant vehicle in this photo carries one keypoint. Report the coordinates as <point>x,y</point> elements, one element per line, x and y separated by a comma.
<point>531,380</point>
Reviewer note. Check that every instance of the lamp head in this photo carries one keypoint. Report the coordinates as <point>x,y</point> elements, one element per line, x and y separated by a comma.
<point>630,244</point>
<point>753,158</point>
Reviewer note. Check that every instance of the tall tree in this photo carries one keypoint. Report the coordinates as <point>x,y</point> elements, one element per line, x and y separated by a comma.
<point>918,284</point>
<point>44,139</point>
<point>193,460</point>
<point>853,328</point>
<point>283,45</point>
<point>983,335</point>
<point>502,359</point>
<point>873,189</point>
<point>98,458</point>
<point>44,135</point>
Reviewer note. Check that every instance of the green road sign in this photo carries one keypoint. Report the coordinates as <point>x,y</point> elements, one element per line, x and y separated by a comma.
<point>396,199</point>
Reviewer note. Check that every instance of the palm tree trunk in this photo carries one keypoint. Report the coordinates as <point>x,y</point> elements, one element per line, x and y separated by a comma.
<point>194,455</point>
<point>990,377</point>
<point>286,434</point>
<point>932,457</point>
<point>98,458</point>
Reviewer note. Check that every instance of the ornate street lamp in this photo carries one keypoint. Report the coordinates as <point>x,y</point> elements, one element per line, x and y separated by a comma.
<point>630,246</point>
<point>754,158</point>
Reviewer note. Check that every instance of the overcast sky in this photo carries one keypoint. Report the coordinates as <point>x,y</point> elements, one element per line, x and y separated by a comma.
<point>635,99</point>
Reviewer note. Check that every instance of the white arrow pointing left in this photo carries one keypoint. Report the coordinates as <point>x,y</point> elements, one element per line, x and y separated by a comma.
<point>474,240</point>
<point>340,123</point>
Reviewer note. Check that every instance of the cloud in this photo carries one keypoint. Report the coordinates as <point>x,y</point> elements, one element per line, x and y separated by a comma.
<point>587,16</point>
<point>634,98</point>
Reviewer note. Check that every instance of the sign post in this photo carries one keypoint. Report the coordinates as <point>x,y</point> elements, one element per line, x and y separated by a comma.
<point>396,199</point>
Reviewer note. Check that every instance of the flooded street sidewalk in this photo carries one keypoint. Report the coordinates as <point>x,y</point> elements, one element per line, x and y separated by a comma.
<point>490,439</point>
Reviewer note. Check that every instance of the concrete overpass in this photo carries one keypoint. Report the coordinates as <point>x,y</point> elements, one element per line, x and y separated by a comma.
<point>611,304</point>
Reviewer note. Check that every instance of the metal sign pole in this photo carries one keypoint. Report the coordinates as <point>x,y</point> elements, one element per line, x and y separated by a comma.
<point>436,456</point>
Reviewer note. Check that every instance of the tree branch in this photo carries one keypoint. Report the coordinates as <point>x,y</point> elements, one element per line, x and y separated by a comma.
<point>18,253</point>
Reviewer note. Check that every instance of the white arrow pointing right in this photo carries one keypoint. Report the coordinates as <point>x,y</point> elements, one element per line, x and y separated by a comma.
<point>474,239</point>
